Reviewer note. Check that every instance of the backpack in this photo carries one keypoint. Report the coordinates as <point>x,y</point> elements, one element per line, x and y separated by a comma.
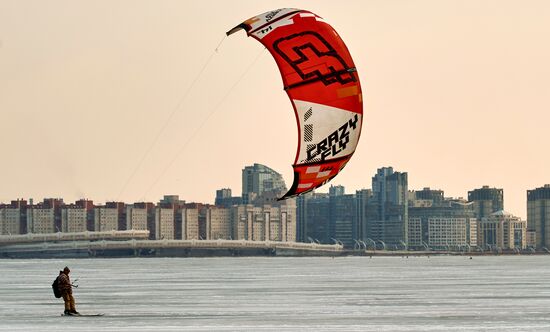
<point>55,287</point>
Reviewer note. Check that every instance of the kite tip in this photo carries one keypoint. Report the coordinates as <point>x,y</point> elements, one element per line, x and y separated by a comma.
<point>237,28</point>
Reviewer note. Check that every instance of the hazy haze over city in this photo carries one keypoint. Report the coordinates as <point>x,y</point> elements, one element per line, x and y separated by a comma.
<point>456,93</point>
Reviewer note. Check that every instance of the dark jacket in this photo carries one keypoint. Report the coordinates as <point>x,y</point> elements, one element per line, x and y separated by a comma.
<point>64,283</point>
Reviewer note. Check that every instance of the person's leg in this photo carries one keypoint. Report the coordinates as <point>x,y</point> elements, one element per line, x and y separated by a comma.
<point>72,304</point>
<point>66,299</point>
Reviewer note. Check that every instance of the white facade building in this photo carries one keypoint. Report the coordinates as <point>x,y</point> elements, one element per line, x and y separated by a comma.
<point>190,223</point>
<point>264,223</point>
<point>136,218</point>
<point>41,220</point>
<point>415,232</point>
<point>218,223</point>
<point>448,232</point>
<point>164,223</point>
<point>502,230</point>
<point>74,219</point>
<point>10,221</point>
<point>443,233</point>
<point>106,219</point>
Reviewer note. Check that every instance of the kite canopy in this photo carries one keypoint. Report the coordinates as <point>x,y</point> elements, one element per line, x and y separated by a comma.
<point>322,83</point>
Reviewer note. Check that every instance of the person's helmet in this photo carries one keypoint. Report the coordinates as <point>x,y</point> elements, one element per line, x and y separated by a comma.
<point>66,269</point>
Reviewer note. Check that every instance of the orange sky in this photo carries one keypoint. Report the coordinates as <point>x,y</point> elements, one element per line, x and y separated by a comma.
<point>456,94</point>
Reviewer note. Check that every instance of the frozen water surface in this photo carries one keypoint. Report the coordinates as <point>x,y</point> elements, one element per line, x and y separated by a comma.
<point>440,293</point>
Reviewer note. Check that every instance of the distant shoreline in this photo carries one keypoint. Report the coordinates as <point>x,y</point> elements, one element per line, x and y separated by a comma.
<point>214,248</point>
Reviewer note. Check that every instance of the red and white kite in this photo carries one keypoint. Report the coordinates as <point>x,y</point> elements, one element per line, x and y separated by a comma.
<point>322,83</point>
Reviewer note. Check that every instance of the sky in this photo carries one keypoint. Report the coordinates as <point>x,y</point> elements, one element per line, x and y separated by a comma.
<point>131,100</point>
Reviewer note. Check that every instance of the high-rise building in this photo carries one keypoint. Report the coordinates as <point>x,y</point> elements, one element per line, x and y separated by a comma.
<point>164,223</point>
<point>362,198</point>
<point>225,199</point>
<point>45,217</point>
<point>139,216</point>
<point>447,233</point>
<point>223,193</point>
<point>42,220</point>
<point>263,223</point>
<point>313,211</point>
<point>73,219</point>
<point>486,201</point>
<point>440,223</point>
<point>190,222</point>
<point>336,190</point>
<point>343,218</point>
<point>110,217</point>
<point>258,180</point>
<point>260,216</point>
<point>13,218</point>
<point>387,211</point>
<point>301,217</point>
<point>502,230</point>
<point>78,217</point>
<point>336,216</point>
<point>174,203</point>
<point>538,215</point>
<point>171,200</point>
<point>218,223</point>
<point>167,220</point>
<point>434,196</point>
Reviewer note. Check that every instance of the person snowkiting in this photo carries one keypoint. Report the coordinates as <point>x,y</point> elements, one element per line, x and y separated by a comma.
<point>66,289</point>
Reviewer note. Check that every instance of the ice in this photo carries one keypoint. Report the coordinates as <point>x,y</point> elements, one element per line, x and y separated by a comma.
<point>440,293</point>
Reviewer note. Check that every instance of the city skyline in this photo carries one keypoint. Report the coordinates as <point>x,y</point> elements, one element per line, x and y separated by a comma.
<point>230,193</point>
<point>389,215</point>
<point>84,93</point>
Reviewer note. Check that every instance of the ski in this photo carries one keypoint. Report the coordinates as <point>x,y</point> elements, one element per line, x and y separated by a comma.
<point>83,315</point>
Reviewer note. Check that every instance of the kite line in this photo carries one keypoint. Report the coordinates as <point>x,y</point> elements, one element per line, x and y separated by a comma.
<point>169,119</point>
<point>210,114</point>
